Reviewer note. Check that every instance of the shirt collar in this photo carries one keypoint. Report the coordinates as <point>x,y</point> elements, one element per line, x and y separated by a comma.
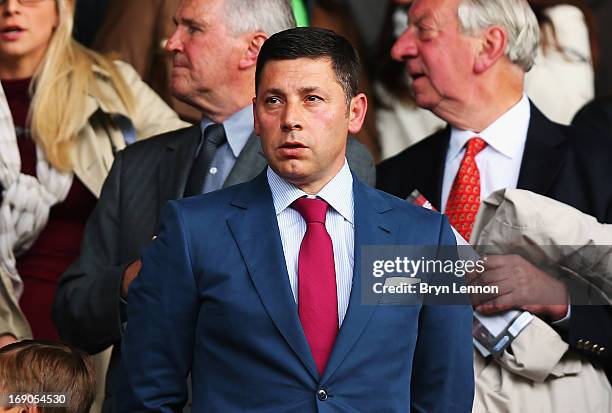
<point>338,192</point>
<point>507,134</point>
<point>238,128</point>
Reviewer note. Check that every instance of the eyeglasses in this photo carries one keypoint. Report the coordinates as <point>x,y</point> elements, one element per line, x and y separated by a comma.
<point>23,2</point>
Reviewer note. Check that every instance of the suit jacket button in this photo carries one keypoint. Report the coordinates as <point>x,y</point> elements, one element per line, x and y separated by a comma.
<point>579,343</point>
<point>594,348</point>
<point>322,395</point>
<point>601,350</point>
<point>587,345</point>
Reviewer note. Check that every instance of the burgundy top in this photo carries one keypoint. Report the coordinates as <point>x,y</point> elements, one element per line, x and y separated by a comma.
<point>58,244</point>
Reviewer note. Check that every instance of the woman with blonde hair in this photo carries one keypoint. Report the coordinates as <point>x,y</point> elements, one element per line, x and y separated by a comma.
<point>72,109</point>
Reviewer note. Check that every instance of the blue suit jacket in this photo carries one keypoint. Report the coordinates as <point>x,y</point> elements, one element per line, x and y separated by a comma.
<point>213,298</point>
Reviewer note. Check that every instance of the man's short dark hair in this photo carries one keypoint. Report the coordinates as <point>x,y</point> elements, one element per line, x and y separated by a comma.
<point>314,43</point>
<point>36,367</point>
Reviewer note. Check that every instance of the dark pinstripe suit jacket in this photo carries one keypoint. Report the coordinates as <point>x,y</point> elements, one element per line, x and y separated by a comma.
<point>87,310</point>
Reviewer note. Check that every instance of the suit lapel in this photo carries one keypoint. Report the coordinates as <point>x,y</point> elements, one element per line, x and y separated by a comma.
<point>435,163</point>
<point>543,152</point>
<point>255,230</point>
<point>176,164</point>
<point>250,162</point>
<point>372,226</point>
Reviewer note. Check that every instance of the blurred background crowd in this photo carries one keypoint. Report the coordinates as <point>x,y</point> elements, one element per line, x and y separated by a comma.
<point>63,96</point>
<point>71,109</point>
<point>574,64</point>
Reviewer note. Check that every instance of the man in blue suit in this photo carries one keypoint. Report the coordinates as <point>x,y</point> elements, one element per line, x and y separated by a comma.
<point>256,290</point>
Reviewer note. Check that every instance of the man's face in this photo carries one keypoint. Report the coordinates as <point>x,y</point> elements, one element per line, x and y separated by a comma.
<point>438,57</point>
<point>205,55</point>
<point>302,119</point>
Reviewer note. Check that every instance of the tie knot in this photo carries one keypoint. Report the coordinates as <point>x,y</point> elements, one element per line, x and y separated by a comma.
<point>312,210</point>
<point>475,145</point>
<point>214,135</point>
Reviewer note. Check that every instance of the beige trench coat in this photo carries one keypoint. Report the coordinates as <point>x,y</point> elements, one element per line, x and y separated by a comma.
<point>540,375</point>
<point>93,154</point>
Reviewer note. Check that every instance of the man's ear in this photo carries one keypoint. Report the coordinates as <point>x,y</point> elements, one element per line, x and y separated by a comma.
<point>493,42</point>
<point>254,43</point>
<point>357,112</point>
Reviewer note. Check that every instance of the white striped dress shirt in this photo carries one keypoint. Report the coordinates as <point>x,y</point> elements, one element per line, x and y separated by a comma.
<point>339,222</point>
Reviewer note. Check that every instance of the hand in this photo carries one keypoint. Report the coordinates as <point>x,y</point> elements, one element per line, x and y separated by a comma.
<point>7,339</point>
<point>129,275</point>
<point>521,286</point>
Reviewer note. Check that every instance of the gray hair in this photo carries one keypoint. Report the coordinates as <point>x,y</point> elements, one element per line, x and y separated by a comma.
<point>515,16</point>
<point>268,16</point>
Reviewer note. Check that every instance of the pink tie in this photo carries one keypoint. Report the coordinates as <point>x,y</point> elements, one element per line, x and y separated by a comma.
<point>317,299</point>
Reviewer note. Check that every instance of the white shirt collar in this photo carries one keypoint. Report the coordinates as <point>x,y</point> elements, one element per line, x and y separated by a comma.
<point>338,192</point>
<point>506,135</point>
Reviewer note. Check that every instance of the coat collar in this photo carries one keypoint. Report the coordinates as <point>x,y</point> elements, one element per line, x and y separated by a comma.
<point>176,163</point>
<point>250,162</point>
<point>180,154</point>
<point>93,104</point>
<point>544,151</point>
<point>435,164</point>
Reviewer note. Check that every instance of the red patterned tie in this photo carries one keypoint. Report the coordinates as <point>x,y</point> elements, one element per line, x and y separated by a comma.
<point>464,198</point>
<point>317,299</point>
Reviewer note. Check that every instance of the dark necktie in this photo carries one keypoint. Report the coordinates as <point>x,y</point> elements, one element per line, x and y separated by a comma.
<point>464,197</point>
<point>214,137</point>
<point>317,296</point>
